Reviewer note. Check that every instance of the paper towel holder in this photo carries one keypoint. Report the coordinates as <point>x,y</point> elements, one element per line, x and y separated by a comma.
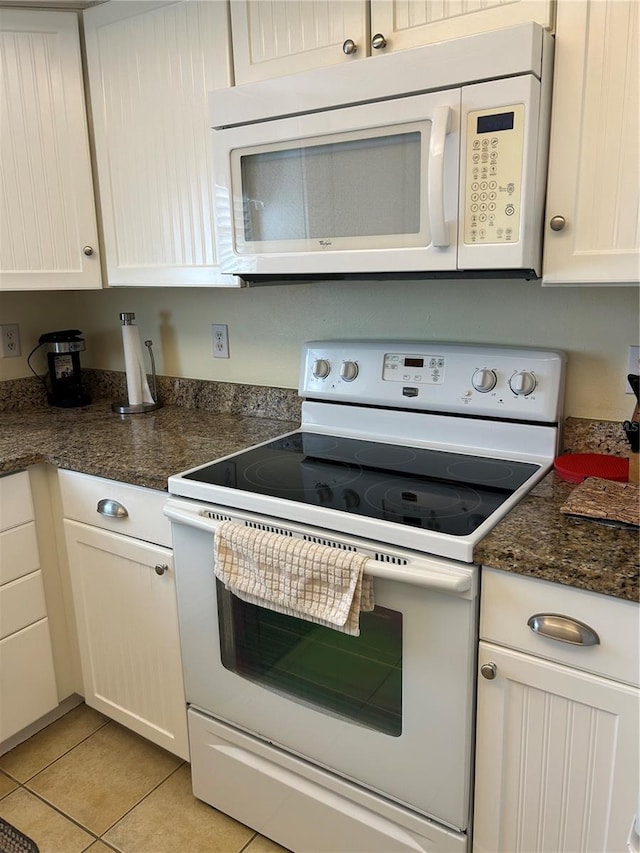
<point>126,319</point>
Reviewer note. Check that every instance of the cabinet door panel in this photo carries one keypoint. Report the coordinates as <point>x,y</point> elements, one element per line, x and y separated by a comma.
<point>594,171</point>
<point>150,66</point>
<point>411,23</point>
<point>47,213</point>
<point>128,632</point>
<point>276,37</point>
<point>557,757</point>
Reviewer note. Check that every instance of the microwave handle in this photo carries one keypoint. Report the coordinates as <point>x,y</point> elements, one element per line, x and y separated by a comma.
<point>423,571</point>
<point>439,130</point>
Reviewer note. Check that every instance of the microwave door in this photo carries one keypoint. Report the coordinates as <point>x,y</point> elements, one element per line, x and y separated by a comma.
<point>367,189</point>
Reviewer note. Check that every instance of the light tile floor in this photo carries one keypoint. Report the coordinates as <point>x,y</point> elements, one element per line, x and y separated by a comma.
<point>87,783</point>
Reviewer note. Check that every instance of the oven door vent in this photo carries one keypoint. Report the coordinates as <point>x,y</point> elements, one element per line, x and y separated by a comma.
<point>216,516</point>
<point>389,558</point>
<point>330,543</point>
<point>269,528</point>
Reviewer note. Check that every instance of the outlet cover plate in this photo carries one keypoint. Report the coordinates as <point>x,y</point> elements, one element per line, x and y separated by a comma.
<point>220,334</point>
<point>9,340</point>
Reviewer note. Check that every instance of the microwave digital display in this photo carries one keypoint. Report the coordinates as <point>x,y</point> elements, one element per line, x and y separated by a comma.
<point>414,362</point>
<point>493,123</point>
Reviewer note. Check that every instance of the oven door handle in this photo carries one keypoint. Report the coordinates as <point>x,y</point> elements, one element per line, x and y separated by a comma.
<point>423,571</point>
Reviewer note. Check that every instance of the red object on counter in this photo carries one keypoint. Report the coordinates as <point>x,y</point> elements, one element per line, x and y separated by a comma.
<point>576,467</point>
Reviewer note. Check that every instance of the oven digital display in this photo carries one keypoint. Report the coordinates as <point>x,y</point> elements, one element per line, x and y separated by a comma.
<point>412,369</point>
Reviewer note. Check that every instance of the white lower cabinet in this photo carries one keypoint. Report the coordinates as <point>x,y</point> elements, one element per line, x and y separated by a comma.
<point>557,751</point>
<point>125,606</point>
<point>28,687</point>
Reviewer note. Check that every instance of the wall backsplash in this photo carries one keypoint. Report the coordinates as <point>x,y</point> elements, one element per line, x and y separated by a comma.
<point>268,325</point>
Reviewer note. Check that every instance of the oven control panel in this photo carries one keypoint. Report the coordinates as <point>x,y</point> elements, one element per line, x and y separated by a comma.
<point>479,380</point>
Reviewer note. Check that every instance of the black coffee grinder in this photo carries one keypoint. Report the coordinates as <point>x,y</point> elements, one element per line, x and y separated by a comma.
<point>64,385</point>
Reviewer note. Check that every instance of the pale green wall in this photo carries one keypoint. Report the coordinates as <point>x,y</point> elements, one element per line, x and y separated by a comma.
<point>267,325</point>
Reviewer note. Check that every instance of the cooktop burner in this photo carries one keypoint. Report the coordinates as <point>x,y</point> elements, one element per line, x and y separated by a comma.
<point>435,490</point>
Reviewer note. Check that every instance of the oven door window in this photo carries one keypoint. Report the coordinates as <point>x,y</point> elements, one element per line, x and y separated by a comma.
<point>356,678</point>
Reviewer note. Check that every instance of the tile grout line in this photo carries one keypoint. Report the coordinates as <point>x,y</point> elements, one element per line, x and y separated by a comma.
<point>140,801</point>
<point>57,758</point>
<point>60,812</point>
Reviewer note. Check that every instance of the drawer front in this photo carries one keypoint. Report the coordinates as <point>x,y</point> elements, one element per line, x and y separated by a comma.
<point>95,501</point>
<point>15,500</point>
<point>18,552</point>
<point>508,601</point>
<point>27,678</point>
<point>21,603</point>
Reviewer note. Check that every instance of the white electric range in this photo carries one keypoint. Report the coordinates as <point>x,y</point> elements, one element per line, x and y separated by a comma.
<point>409,452</point>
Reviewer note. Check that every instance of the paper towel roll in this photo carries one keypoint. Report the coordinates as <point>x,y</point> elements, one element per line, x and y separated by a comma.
<point>137,385</point>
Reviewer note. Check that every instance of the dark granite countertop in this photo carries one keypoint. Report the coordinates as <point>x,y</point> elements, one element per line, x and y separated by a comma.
<point>534,539</point>
<point>537,540</point>
<point>140,449</point>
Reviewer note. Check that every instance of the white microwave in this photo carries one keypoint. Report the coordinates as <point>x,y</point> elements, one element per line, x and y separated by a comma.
<point>427,162</point>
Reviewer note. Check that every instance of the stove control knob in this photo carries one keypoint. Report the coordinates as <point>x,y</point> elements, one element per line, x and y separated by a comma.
<point>321,368</point>
<point>522,383</point>
<point>484,380</point>
<point>349,370</point>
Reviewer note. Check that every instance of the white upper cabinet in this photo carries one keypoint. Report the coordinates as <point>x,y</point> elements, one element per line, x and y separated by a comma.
<point>593,194</point>
<point>150,66</point>
<point>48,234</point>
<point>272,38</point>
<point>412,23</point>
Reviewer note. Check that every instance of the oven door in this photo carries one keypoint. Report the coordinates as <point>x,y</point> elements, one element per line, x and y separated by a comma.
<point>390,709</point>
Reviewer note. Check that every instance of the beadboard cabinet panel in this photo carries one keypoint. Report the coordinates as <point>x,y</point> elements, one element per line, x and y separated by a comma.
<point>557,758</point>
<point>48,231</point>
<point>150,66</point>
<point>276,37</point>
<point>412,23</point>
<point>272,38</point>
<point>125,605</point>
<point>594,169</point>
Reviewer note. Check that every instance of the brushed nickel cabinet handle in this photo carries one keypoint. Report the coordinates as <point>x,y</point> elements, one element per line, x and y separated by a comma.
<point>112,509</point>
<point>161,568</point>
<point>488,670</point>
<point>349,47</point>
<point>378,41</point>
<point>557,223</point>
<point>564,629</point>
<point>87,250</point>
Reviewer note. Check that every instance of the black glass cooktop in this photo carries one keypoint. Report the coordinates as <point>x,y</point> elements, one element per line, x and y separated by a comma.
<point>430,489</point>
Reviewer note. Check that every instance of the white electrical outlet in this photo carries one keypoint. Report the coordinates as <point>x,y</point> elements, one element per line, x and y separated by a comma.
<point>9,340</point>
<point>633,366</point>
<point>220,341</point>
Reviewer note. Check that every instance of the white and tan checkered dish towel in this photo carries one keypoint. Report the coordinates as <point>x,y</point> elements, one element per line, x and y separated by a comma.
<point>304,579</point>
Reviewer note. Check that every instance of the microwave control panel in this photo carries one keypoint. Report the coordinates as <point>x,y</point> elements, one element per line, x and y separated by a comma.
<point>494,157</point>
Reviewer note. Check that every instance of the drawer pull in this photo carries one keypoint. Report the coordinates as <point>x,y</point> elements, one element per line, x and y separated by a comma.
<point>161,568</point>
<point>564,629</point>
<point>111,508</point>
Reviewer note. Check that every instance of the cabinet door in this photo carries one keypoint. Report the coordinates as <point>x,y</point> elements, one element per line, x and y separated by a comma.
<point>594,173</point>
<point>150,66</point>
<point>276,37</point>
<point>556,758</point>
<point>48,232</point>
<point>412,23</point>
<point>128,633</point>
